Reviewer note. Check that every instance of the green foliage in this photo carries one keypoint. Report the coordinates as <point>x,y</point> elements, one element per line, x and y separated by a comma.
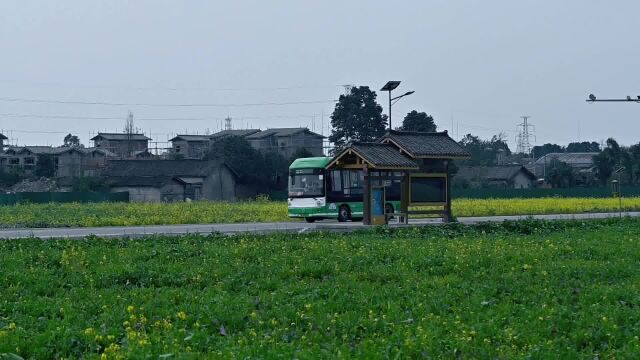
<point>559,174</point>
<point>46,166</point>
<point>418,121</point>
<point>89,184</point>
<point>484,152</point>
<point>300,153</point>
<point>584,146</point>
<point>265,171</point>
<point>515,290</point>
<point>548,148</point>
<point>10,178</point>
<point>357,117</point>
<point>206,212</point>
<point>71,141</point>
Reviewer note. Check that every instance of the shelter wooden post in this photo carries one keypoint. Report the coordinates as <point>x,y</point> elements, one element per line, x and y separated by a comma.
<point>404,196</point>
<point>447,216</point>
<point>366,196</point>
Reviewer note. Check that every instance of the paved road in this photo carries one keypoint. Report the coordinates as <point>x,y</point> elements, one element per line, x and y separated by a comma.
<point>138,231</point>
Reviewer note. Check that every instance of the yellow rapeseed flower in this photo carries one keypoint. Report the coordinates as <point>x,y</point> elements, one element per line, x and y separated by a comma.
<point>182,315</point>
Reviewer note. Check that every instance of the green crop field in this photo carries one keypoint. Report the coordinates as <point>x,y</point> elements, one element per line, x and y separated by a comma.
<point>529,289</point>
<point>202,212</point>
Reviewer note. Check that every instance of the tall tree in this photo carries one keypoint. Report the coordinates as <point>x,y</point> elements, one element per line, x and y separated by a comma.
<point>548,148</point>
<point>606,161</point>
<point>357,117</point>
<point>484,152</point>
<point>418,121</point>
<point>584,146</point>
<point>71,141</point>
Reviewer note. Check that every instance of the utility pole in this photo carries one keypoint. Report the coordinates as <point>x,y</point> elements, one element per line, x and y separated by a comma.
<point>129,130</point>
<point>227,123</point>
<point>525,134</point>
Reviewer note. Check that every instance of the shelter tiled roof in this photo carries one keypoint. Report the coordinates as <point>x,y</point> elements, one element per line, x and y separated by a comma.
<point>426,144</point>
<point>380,156</point>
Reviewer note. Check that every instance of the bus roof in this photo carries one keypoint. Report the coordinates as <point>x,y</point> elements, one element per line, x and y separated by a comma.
<point>310,163</point>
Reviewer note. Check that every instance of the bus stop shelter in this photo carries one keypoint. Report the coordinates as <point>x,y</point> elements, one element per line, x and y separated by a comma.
<point>419,161</point>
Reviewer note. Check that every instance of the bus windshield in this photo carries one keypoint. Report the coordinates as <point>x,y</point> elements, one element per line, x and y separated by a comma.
<point>306,183</point>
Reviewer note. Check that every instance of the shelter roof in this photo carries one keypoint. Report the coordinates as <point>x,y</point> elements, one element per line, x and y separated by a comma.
<point>426,144</point>
<point>376,155</point>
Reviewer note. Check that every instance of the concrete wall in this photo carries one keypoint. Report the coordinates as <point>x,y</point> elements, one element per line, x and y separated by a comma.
<point>521,181</point>
<point>140,193</point>
<point>220,185</point>
<point>121,147</point>
<point>190,149</point>
<point>287,145</point>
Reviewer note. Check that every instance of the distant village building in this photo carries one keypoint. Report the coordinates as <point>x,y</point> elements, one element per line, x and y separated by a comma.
<point>226,133</point>
<point>581,163</point>
<point>190,146</point>
<point>123,145</point>
<point>511,177</point>
<point>68,161</point>
<point>175,180</point>
<point>286,141</point>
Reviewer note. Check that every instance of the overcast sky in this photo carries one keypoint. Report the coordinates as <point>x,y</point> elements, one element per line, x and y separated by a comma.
<point>478,65</point>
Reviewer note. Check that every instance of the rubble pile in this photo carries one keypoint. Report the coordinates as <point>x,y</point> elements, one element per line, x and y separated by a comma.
<point>42,184</point>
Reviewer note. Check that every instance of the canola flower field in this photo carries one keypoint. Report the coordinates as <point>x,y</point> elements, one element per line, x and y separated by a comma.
<point>528,289</point>
<point>202,212</point>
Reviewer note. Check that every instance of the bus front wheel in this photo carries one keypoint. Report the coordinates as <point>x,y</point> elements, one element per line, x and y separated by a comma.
<point>310,219</point>
<point>344,213</point>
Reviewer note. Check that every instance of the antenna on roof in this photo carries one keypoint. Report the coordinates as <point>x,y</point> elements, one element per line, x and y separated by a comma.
<point>227,123</point>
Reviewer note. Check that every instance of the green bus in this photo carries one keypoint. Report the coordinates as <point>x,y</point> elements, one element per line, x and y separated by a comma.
<point>316,193</point>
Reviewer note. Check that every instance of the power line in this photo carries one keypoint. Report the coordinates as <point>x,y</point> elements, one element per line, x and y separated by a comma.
<point>163,88</point>
<point>102,103</point>
<point>75,117</point>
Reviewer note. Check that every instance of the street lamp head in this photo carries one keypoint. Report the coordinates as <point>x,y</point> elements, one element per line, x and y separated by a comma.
<point>390,85</point>
<point>408,93</point>
<point>592,97</point>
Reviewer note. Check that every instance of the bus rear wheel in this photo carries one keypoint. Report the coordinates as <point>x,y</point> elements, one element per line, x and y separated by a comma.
<point>344,213</point>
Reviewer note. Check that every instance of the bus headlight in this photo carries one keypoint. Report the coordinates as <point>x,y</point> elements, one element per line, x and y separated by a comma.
<point>320,202</point>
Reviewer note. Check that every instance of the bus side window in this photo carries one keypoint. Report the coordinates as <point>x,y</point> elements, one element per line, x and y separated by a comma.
<point>336,182</point>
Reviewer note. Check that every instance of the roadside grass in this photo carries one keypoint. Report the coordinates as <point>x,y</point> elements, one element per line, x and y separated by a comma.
<point>528,289</point>
<point>203,212</point>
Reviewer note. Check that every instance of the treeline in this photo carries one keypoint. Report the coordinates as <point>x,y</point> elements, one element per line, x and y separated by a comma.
<point>574,147</point>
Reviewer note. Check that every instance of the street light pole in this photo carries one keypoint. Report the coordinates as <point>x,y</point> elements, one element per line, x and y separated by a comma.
<point>389,86</point>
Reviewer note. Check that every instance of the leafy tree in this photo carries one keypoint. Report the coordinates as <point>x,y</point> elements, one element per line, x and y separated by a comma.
<point>584,146</point>
<point>46,166</point>
<point>89,183</point>
<point>357,117</point>
<point>606,161</point>
<point>559,174</point>
<point>300,153</point>
<point>418,121</point>
<point>71,141</point>
<point>265,171</point>
<point>484,152</point>
<point>540,151</point>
